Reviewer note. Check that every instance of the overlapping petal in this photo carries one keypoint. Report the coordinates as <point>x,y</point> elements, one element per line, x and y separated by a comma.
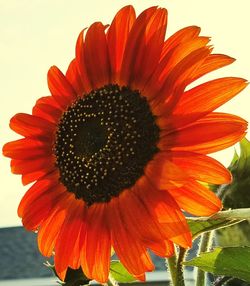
<point>196,199</point>
<point>213,132</point>
<point>96,59</point>
<point>95,254</point>
<point>117,36</point>
<point>60,87</point>
<point>132,253</point>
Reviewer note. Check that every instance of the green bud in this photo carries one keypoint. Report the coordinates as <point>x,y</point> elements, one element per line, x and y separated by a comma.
<point>237,194</point>
<point>74,277</point>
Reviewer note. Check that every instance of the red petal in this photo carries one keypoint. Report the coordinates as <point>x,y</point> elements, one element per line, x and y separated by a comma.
<point>95,256</point>
<point>48,232</point>
<point>117,38</point>
<point>96,55</point>
<point>41,208</point>
<point>212,133</point>
<point>34,176</point>
<point>47,108</point>
<point>31,126</point>
<point>60,87</point>
<point>196,199</point>
<point>36,190</point>
<point>30,166</point>
<point>27,148</point>
<point>68,235</point>
<point>80,63</point>
<point>73,76</point>
<point>47,112</point>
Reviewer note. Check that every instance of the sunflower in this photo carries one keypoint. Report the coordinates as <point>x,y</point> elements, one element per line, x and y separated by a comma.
<point>120,147</point>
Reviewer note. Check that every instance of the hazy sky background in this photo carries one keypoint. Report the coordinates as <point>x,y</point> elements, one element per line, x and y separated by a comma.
<point>35,34</point>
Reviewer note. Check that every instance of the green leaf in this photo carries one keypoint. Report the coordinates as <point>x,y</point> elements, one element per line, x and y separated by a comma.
<point>219,220</point>
<point>229,261</point>
<point>243,213</point>
<point>199,226</point>
<point>119,272</point>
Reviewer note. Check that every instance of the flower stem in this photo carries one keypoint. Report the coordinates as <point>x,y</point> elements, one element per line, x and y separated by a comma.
<point>175,269</point>
<point>205,244</point>
<point>180,276</point>
<point>171,261</point>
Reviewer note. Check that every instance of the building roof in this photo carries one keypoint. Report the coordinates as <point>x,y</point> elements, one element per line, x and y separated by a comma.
<point>22,259</point>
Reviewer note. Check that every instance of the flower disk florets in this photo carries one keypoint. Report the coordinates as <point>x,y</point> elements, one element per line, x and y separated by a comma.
<point>103,142</point>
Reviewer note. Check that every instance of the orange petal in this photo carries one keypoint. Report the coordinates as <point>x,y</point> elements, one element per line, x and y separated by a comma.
<point>96,58</point>
<point>211,63</point>
<point>169,62</point>
<point>75,261</point>
<point>134,43</point>
<point>179,37</point>
<point>196,199</point>
<point>208,96</point>
<point>31,126</point>
<point>166,211</point>
<point>27,148</point>
<point>201,167</point>
<point>176,81</point>
<point>201,100</point>
<point>182,51</point>
<point>163,173</point>
<point>163,248</point>
<point>60,87</point>
<point>95,256</point>
<point>74,78</point>
<point>149,48</point>
<point>134,213</point>
<point>117,38</point>
<point>131,252</point>
<point>214,132</point>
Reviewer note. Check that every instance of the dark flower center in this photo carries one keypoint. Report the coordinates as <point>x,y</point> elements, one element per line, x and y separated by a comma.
<point>103,142</point>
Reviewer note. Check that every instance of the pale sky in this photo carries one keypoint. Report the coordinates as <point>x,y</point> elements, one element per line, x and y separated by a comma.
<point>36,34</point>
